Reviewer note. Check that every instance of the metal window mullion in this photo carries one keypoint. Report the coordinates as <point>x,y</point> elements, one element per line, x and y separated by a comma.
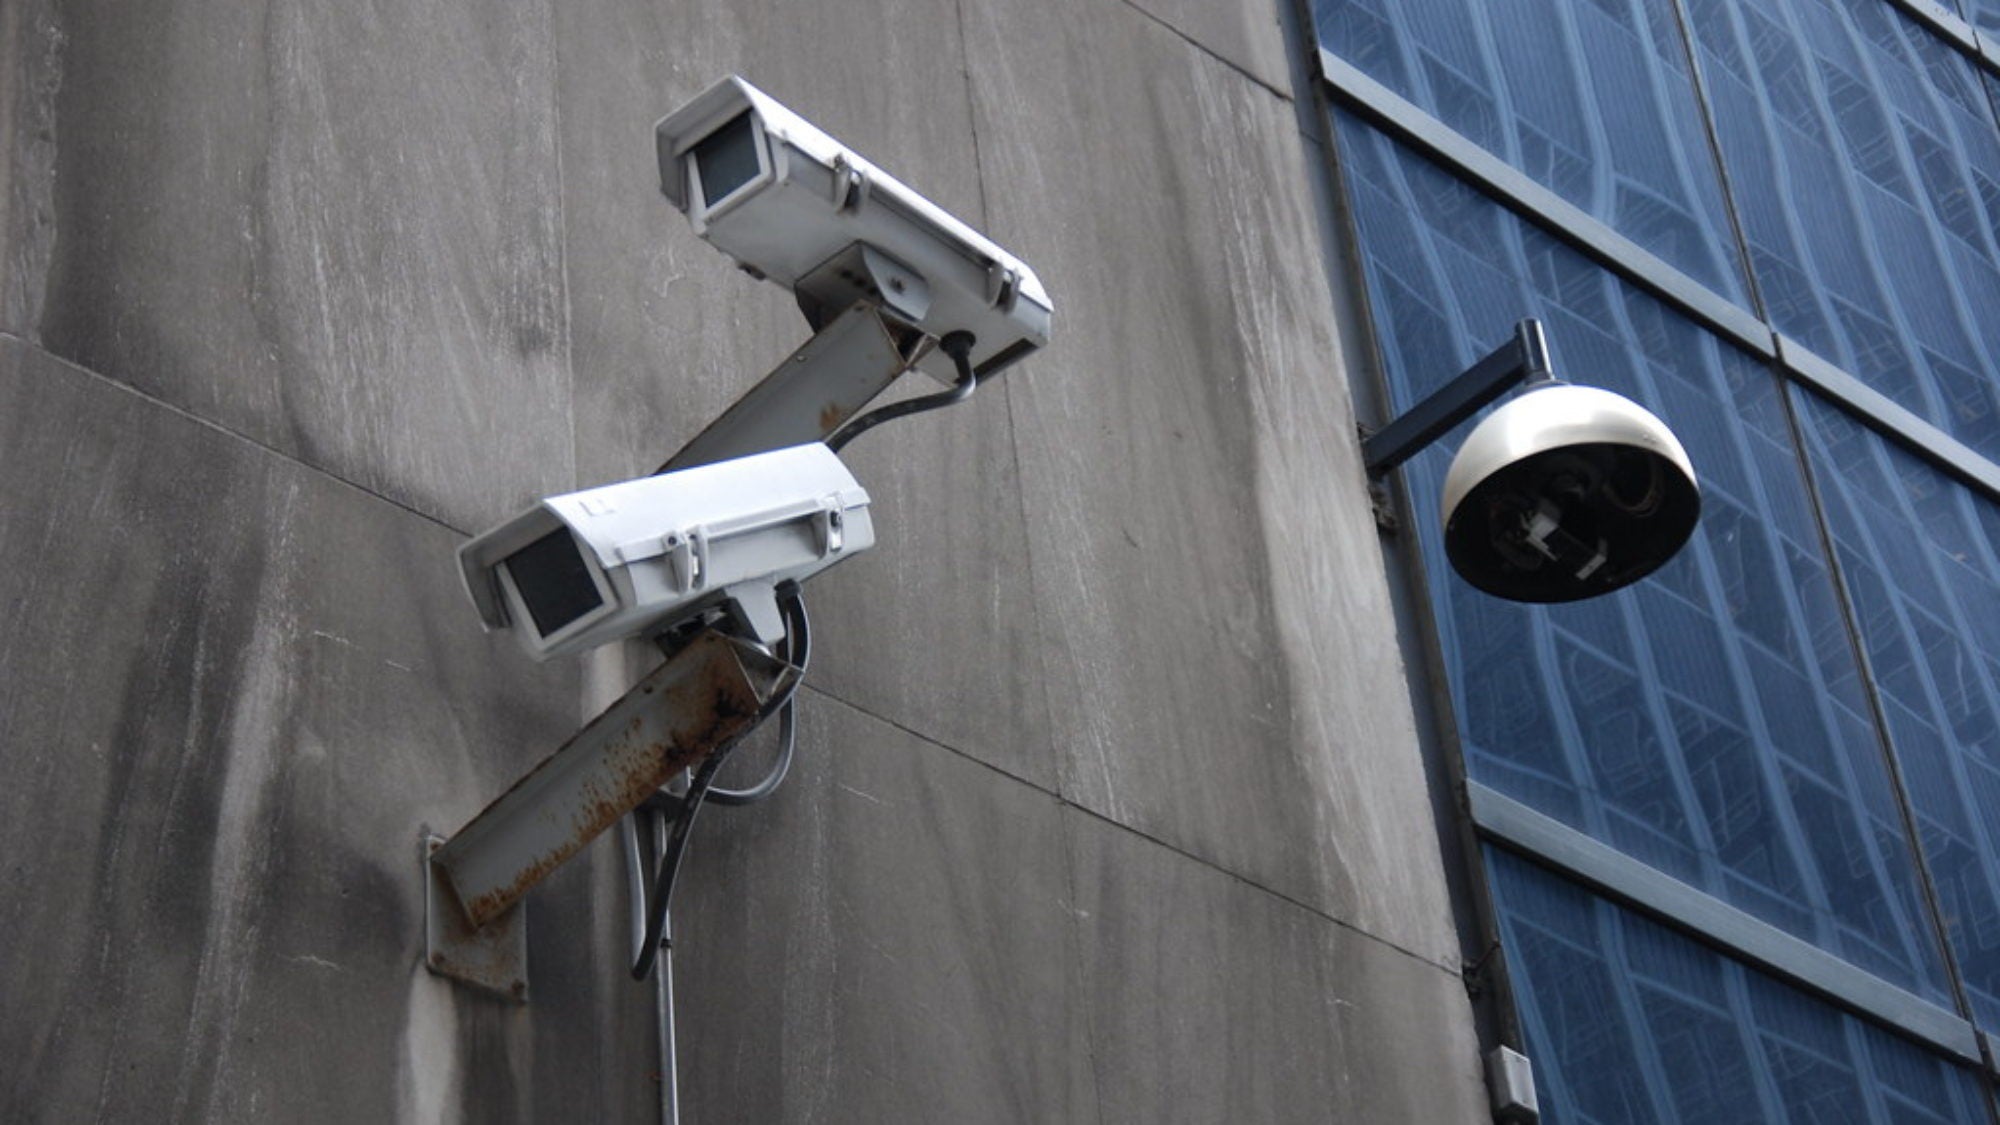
<point>1929,898</point>
<point>1889,418</point>
<point>1989,862</point>
<point>1493,176</point>
<point>1695,913</point>
<point>1954,30</point>
<point>1698,78</point>
<point>1980,47</point>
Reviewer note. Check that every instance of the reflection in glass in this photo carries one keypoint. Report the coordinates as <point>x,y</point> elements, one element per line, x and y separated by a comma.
<point>1593,101</point>
<point>1709,721</point>
<point>1629,1022</point>
<point>1864,162</point>
<point>1921,558</point>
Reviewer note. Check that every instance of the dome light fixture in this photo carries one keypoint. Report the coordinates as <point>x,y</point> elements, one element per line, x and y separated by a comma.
<point>1564,493</point>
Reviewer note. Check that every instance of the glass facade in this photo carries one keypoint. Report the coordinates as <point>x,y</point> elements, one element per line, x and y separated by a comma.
<point>1652,1026</point>
<point>1799,717</point>
<point>1920,558</point>
<point>1865,163</point>
<point>1595,102</point>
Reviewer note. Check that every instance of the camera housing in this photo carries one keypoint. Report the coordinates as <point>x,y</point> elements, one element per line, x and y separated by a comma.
<point>1567,492</point>
<point>793,205</point>
<point>640,557</point>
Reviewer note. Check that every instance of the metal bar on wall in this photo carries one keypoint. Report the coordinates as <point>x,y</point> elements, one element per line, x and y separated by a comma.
<point>1513,825</point>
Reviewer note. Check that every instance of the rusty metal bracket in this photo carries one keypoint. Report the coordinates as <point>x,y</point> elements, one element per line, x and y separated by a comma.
<point>493,956</point>
<point>708,694</point>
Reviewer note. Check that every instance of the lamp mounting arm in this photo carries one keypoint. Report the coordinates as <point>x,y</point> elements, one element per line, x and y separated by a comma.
<point>1521,360</point>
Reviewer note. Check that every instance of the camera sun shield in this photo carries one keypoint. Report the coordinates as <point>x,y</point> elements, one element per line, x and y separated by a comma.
<point>785,200</point>
<point>638,557</point>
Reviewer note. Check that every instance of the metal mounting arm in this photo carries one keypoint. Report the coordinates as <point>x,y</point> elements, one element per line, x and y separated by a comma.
<point>1523,359</point>
<point>692,707</point>
<point>829,380</point>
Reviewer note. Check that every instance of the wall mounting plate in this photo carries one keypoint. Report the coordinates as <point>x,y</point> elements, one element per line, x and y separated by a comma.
<point>493,956</point>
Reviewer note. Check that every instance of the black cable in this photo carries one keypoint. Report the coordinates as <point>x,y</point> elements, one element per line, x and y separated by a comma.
<point>957,345</point>
<point>798,653</point>
<point>670,864</point>
<point>690,805</point>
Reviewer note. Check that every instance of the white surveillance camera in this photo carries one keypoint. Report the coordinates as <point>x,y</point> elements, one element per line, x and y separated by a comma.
<point>1567,492</point>
<point>793,205</point>
<point>640,557</point>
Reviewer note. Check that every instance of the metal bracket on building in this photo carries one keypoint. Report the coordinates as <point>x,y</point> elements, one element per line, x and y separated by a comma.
<point>493,956</point>
<point>1478,974</point>
<point>812,394</point>
<point>711,692</point>
<point>1522,359</point>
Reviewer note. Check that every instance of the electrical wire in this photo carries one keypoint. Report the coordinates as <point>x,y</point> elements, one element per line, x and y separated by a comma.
<point>798,653</point>
<point>957,345</point>
<point>656,906</point>
<point>650,935</point>
<point>652,819</point>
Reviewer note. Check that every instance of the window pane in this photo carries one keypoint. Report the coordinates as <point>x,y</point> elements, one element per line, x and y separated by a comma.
<point>1865,163</point>
<point>1627,1021</point>
<point>1984,14</point>
<point>1921,558</point>
<point>1709,721</point>
<point>1591,100</point>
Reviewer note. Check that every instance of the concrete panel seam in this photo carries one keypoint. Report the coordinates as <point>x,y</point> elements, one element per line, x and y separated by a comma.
<point>1028,560</point>
<point>8,339</point>
<point>972,116</point>
<point>1210,52</point>
<point>1075,920</point>
<point>1065,803</point>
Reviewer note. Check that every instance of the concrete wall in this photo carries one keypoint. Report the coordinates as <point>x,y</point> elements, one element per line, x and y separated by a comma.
<point>1108,805</point>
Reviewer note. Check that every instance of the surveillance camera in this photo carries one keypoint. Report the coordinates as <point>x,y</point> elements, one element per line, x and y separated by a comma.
<point>1567,492</point>
<point>793,205</point>
<point>640,557</point>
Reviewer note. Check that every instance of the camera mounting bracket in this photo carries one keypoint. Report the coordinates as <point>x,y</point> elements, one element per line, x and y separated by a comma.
<point>708,694</point>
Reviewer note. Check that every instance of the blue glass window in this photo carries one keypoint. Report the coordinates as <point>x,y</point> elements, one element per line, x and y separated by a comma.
<point>1629,1022</point>
<point>1921,559</point>
<point>1710,721</point>
<point>1594,101</point>
<point>1864,161</point>
<point>1983,14</point>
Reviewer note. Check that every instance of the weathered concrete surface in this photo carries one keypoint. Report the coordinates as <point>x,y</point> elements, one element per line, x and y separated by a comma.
<point>936,626</point>
<point>888,939</point>
<point>232,690</point>
<point>1210,591</point>
<point>1213,1000</point>
<point>904,935</point>
<point>1246,36</point>
<point>1108,805</point>
<point>332,228</point>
